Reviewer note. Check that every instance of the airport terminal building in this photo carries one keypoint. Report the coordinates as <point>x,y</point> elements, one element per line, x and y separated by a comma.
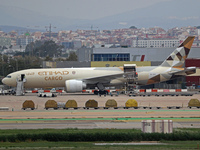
<point>155,55</point>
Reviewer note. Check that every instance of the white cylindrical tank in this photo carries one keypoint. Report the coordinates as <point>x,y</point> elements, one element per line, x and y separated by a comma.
<point>60,104</point>
<point>159,126</point>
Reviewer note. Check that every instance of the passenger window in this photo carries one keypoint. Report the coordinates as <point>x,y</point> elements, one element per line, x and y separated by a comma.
<point>8,76</point>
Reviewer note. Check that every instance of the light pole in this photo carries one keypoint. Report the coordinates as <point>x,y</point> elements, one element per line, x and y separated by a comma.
<point>16,64</point>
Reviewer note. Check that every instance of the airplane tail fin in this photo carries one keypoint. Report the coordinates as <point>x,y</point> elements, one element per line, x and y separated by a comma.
<point>177,58</point>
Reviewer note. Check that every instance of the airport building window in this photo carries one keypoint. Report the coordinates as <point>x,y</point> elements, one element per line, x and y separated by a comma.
<point>111,57</point>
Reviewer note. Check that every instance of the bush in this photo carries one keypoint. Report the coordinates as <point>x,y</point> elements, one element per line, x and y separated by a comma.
<point>11,138</point>
<point>2,139</point>
<point>23,137</point>
<point>102,136</point>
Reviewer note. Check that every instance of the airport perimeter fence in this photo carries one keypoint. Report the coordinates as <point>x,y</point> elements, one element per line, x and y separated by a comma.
<point>102,136</point>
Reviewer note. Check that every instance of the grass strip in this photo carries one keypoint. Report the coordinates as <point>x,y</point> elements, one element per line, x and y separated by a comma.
<point>98,135</point>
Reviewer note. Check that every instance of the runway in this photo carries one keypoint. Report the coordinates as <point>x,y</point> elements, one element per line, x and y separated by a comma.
<point>95,123</point>
<point>16,118</point>
<point>102,114</point>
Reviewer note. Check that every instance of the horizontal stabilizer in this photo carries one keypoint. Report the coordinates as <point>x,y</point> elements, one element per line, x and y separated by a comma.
<point>185,72</point>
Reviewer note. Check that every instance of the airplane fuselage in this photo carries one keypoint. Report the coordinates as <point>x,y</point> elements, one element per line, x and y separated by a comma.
<point>56,77</point>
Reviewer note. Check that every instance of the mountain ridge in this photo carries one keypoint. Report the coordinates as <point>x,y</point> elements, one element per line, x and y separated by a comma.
<point>166,14</point>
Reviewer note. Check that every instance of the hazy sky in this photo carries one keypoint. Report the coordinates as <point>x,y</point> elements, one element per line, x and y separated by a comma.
<point>80,9</point>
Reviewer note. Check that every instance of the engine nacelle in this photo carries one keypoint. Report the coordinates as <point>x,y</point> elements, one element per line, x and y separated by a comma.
<point>74,86</point>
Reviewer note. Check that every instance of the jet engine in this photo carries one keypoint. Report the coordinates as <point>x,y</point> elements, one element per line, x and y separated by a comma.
<point>74,86</point>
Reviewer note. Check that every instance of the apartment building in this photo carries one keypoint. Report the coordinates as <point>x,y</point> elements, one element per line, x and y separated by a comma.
<point>24,40</point>
<point>5,41</point>
<point>157,43</point>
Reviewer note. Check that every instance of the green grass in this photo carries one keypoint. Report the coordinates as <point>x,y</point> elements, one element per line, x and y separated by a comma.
<point>90,145</point>
<point>178,145</point>
<point>40,131</point>
<point>191,130</point>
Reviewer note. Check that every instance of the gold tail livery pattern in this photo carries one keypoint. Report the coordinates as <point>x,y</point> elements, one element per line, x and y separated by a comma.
<point>178,56</point>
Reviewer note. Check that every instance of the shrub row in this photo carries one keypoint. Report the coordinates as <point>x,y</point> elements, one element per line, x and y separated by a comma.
<point>102,136</point>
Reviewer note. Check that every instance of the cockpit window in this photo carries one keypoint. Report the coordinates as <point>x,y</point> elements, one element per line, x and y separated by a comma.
<point>8,76</point>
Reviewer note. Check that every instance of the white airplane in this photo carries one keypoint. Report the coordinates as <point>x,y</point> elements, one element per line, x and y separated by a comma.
<point>77,79</point>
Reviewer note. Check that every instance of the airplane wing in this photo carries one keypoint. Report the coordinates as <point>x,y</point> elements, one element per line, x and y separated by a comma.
<point>185,72</point>
<point>103,79</point>
<point>107,78</point>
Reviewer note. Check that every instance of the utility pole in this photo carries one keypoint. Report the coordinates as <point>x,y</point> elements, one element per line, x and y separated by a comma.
<point>49,29</point>
<point>2,66</point>
<point>137,41</point>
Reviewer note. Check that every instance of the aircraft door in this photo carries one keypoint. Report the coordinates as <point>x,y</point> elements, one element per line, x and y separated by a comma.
<point>21,78</point>
<point>130,75</point>
<point>130,68</point>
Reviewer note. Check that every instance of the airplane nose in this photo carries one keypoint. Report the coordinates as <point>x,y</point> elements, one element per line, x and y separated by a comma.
<point>4,80</point>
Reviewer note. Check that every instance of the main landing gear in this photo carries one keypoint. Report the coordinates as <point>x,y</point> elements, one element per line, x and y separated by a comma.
<point>101,92</point>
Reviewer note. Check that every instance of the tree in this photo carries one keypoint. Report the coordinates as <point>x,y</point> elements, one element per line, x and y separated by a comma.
<point>48,59</point>
<point>48,48</point>
<point>60,59</point>
<point>132,27</point>
<point>72,57</point>
<point>17,63</point>
<point>4,47</point>
<point>10,46</point>
<point>20,47</point>
<point>33,45</point>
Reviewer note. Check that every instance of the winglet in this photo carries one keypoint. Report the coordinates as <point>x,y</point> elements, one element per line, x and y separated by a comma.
<point>177,58</point>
